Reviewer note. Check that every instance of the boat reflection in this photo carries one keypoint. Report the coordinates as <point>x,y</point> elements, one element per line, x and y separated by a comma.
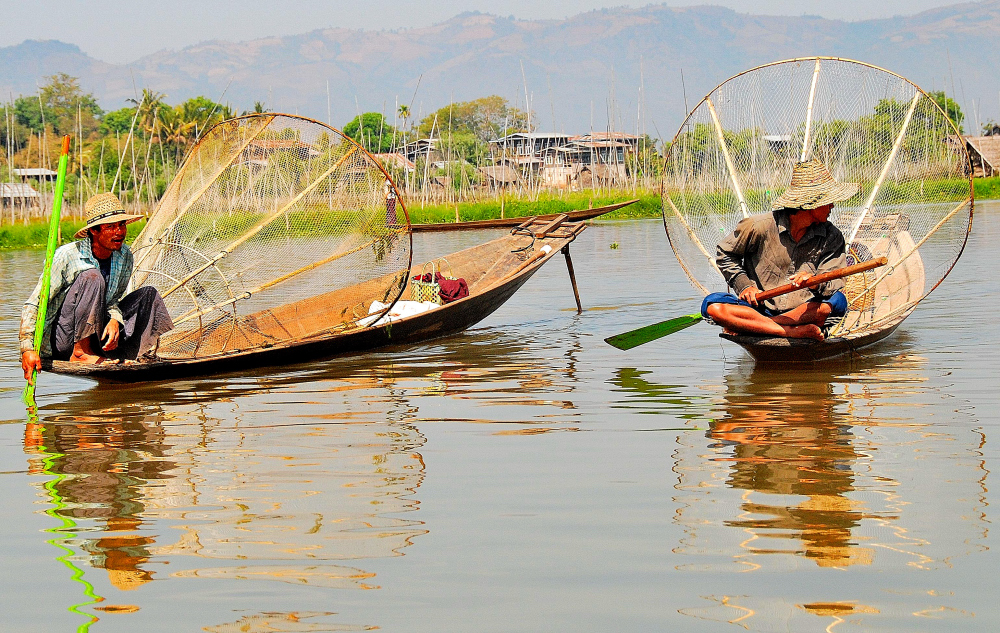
<point>295,478</point>
<point>102,462</point>
<point>210,494</point>
<point>819,466</point>
<point>785,439</point>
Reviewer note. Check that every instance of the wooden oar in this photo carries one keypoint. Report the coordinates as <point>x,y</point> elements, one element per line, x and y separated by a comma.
<point>50,249</point>
<point>634,338</point>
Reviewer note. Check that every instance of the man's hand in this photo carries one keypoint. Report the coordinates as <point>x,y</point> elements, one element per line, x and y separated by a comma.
<point>749,295</point>
<point>30,363</point>
<point>800,278</point>
<point>110,336</point>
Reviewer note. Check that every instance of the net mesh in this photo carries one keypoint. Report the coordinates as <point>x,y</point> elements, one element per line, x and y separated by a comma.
<point>276,229</point>
<point>735,152</point>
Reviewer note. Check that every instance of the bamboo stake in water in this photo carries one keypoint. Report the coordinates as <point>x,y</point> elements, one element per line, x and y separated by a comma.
<point>50,249</point>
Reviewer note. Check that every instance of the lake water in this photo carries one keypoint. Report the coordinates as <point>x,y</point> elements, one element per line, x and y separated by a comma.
<point>523,475</point>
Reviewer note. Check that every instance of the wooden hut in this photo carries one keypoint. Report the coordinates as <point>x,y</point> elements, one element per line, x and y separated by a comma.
<point>985,154</point>
<point>500,176</point>
<point>18,195</point>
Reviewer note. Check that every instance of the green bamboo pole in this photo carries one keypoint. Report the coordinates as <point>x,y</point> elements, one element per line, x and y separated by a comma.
<point>50,249</point>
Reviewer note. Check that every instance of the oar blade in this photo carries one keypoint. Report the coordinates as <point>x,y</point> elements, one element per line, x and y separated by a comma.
<point>635,338</point>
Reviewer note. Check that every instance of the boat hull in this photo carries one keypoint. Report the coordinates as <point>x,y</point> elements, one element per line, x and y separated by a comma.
<point>776,349</point>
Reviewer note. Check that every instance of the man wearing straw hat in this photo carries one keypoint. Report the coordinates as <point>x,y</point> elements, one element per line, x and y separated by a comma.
<point>791,244</point>
<point>89,319</point>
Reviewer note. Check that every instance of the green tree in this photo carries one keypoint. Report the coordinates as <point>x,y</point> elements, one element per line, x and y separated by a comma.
<point>258,108</point>
<point>372,132</point>
<point>60,103</point>
<point>486,119</point>
<point>950,108</point>
<point>13,132</point>
<point>117,121</point>
<point>202,113</point>
<point>464,146</point>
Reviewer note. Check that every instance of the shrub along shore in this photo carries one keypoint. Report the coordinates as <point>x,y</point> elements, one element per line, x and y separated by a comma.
<point>34,235</point>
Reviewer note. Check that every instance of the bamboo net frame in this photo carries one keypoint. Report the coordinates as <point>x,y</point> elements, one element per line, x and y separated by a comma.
<point>734,154</point>
<point>268,210</point>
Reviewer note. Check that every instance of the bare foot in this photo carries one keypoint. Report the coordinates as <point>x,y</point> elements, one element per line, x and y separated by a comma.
<point>808,330</point>
<point>83,354</point>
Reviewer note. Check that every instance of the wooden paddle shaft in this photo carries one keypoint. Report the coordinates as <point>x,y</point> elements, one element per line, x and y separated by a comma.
<point>816,280</point>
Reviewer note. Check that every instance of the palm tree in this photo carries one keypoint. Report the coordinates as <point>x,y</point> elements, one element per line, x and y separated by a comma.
<point>404,113</point>
<point>176,129</point>
<point>149,108</point>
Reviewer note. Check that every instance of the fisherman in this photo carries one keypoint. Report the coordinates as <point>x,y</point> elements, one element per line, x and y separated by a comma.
<point>89,320</point>
<point>791,244</point>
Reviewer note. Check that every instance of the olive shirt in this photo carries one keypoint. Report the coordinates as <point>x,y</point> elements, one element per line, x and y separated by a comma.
<point>761,251</point>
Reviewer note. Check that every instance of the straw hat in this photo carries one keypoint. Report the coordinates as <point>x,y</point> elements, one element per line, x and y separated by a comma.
<point>813,187</point>
<point>105,208</point>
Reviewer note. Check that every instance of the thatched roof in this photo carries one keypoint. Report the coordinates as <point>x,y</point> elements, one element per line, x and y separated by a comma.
<point>500,174</point>
<point>988,148</point>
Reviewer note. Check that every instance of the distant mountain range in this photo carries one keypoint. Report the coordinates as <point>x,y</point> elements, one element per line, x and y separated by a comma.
<point>578,73</point>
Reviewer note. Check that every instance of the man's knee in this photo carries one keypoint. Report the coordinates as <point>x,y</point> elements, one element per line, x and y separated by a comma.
<point>89,277</point>
<point>715,310</point>
<point>146,292</point>
<point>87,289</point>
<point>837,304</point>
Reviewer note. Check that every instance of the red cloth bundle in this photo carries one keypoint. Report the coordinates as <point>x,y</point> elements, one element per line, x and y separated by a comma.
<point>451,289</point>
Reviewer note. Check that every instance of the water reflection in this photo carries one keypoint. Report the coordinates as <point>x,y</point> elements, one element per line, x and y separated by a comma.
<point>812,467</point>
<point>296,477</point>
<point>102,462</point>
<point>227,501</point>
<point>786,438</point>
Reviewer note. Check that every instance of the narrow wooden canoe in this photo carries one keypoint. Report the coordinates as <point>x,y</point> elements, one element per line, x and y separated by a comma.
<point>571,216</point>
<point>493,271</point>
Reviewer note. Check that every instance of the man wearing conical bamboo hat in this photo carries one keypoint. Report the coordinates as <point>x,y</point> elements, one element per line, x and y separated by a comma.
<point>90,319</point>
<point>792,243</point>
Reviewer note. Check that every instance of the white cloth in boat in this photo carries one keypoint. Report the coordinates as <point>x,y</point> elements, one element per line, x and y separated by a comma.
<point>401,310</point>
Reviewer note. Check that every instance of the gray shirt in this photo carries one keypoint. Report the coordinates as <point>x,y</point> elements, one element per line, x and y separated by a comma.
<point>761,251</point>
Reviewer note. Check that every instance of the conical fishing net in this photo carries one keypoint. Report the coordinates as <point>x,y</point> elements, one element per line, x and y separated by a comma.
<point>735,152</point>
<point>276,229</point>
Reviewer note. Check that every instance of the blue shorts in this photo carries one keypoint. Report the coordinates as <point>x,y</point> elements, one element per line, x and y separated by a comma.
<point>838,304</point>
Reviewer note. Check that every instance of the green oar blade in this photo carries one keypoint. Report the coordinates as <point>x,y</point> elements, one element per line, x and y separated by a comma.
<point>628,340</point>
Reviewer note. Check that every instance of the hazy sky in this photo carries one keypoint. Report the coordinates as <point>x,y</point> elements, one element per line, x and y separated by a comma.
<point>124,30</point>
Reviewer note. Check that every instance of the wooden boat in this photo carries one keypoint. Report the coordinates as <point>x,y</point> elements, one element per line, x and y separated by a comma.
<point>579,215</point>
<point>493,270</point>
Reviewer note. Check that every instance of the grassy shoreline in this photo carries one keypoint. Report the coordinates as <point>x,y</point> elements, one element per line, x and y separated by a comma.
<point>34,236</point>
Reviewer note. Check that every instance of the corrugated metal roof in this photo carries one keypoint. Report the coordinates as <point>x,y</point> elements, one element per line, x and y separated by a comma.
<point>17,190</point>
<point>530,135</point>
<point>35,172</point>
<point>397,159</point>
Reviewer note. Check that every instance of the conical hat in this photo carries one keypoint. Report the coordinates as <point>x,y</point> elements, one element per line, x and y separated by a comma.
<point>812,187</point>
